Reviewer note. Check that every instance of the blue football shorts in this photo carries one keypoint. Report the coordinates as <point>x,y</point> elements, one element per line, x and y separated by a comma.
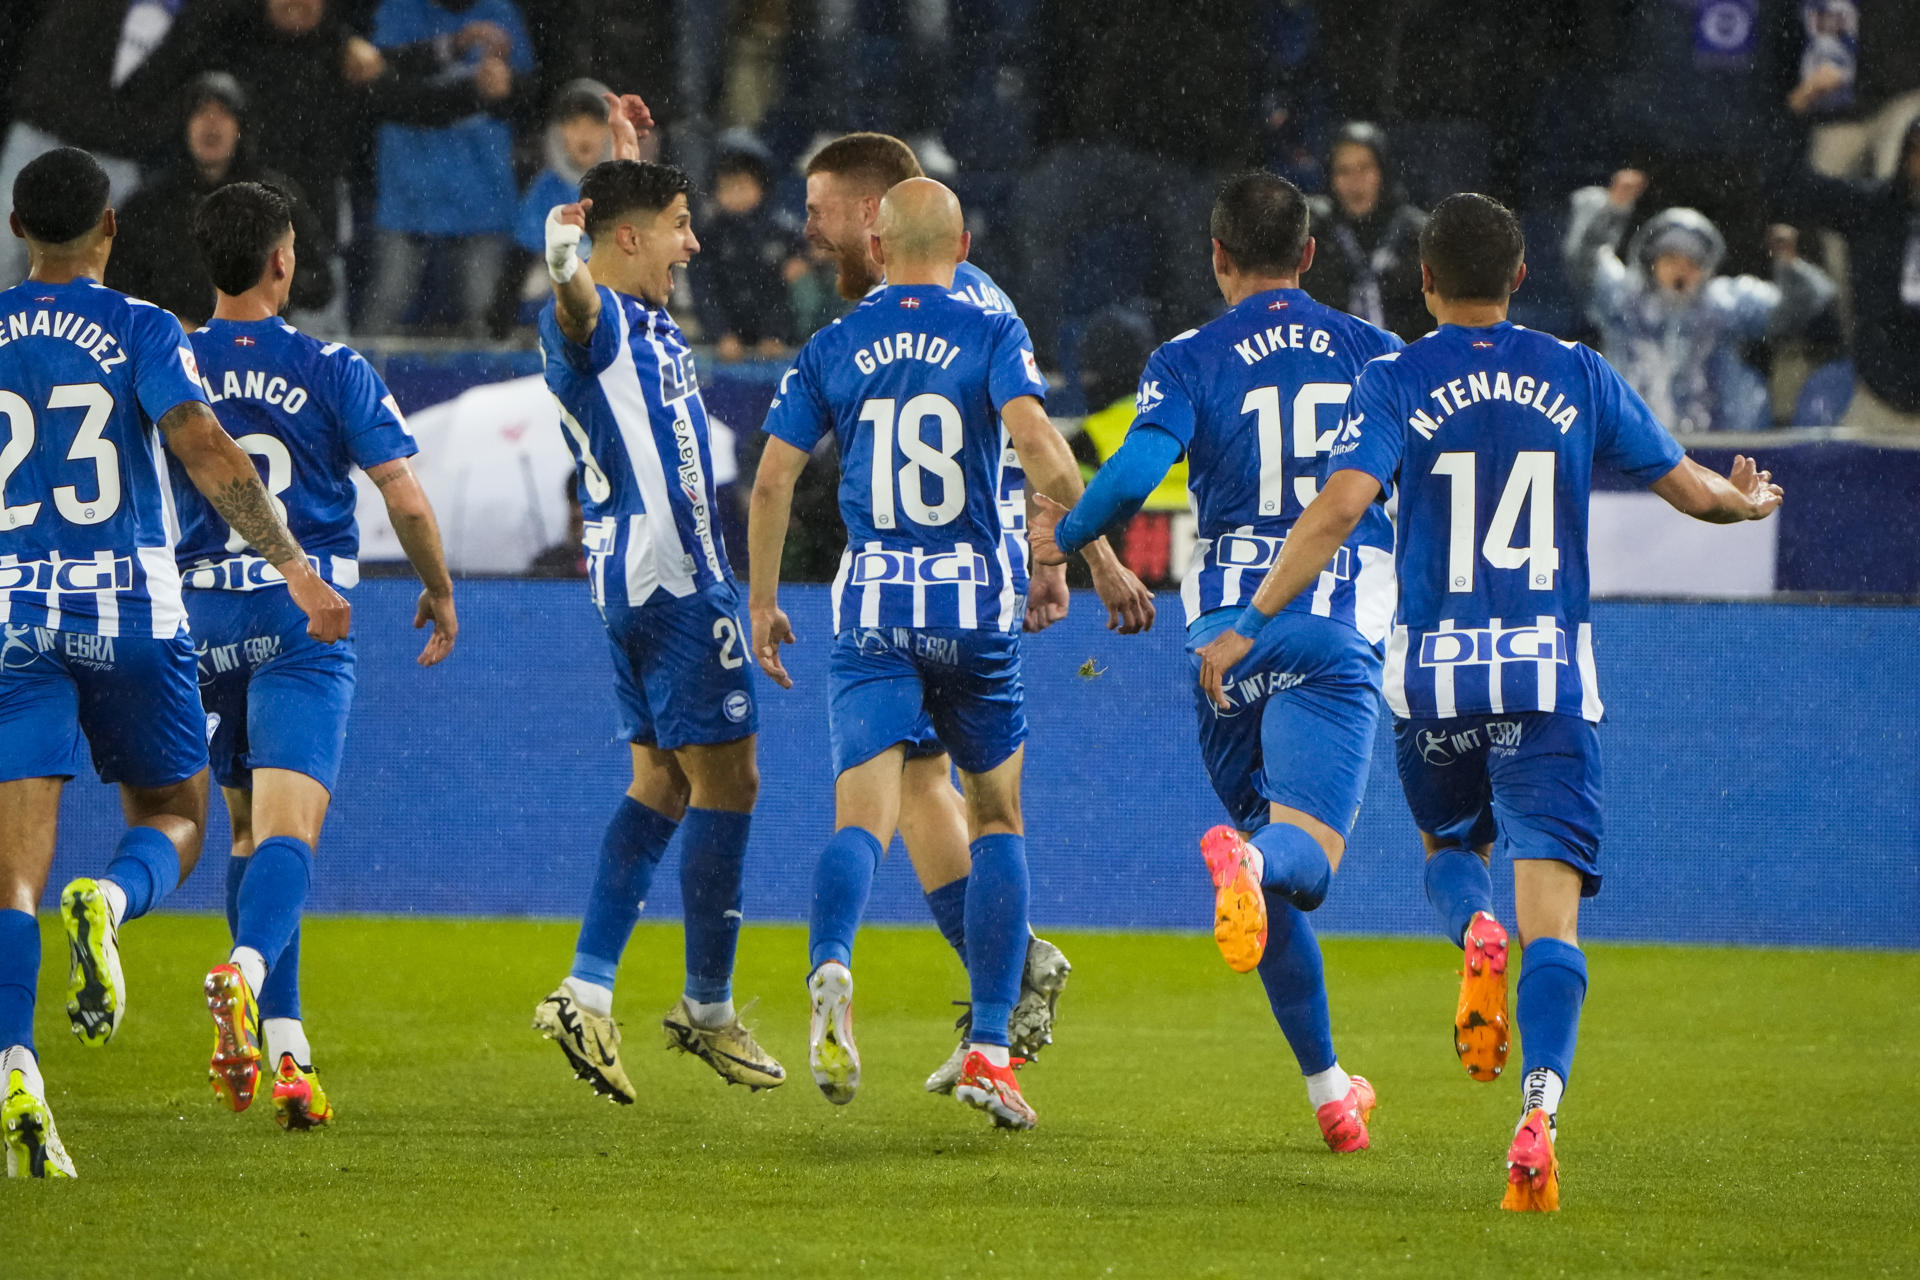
<point>1530,778</point>
<point>131,698</point>
<point>887,685</point>
<point>276,698</point>
<point>680,672</point>
<point>1306,702</point>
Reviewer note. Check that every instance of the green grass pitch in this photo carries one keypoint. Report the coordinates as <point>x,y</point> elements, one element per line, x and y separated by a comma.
<point>1732,1113</point>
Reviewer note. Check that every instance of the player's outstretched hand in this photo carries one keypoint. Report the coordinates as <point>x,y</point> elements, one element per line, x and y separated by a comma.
<point>437,610</point>
<point>771,630</point>
<point>329,616</point>
<point>1218,658</point>
<point>1762,495</point>
<point>1129,602</point>
<point>1044,517</point>
<point>1047,597</point>
<point>630,120</point>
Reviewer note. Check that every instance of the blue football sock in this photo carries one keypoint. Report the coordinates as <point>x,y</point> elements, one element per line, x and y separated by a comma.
<point>1296,985</point>
<point>271,895</point>
<point>1459,886</point>
<point>996,924</point>
<point>1553,983</point>
<point>713,852</point>
<point>1297,867</point>
<point>146,866</point>
<point>842,878</point>
<point>635,841</point>
<point>949,906</point>
<point>279,995</point>
<point>236,872</point>
<point>19,972</point>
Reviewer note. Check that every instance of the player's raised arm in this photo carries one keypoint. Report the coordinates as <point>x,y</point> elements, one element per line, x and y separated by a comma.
<point>1328,521</point>
<point>1705,494</point>
<point>1053,476</point>
<point>768,515</point>
<point>223,472</point>
<point>576,300</point>
<point>419,534</point>
<point>630,121</point>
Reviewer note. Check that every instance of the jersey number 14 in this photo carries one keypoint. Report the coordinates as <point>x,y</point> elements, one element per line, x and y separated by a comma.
<point>1530,485</point>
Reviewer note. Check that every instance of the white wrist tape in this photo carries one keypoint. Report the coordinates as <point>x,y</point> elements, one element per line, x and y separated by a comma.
<point>563,247</point>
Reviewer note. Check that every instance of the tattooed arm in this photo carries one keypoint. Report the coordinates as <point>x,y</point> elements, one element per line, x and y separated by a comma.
<point>419,535</point>
<point>222,471</point>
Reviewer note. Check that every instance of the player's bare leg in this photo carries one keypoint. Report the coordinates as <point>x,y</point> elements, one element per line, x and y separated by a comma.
<point>1553,982</point>
<point>282,805</point>
<point>578,1014</point>
<point>29,817</point>
<point>723,782</point>
<point>996,941</point>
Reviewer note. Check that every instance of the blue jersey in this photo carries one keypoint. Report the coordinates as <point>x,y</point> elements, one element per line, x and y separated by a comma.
<point>911,382</point>
<point>971,284</point>
<point>631,410</point>
<point>1491,435</point>
<point>1255,398</point>
<point>307,412</point>
<point>87,525</point>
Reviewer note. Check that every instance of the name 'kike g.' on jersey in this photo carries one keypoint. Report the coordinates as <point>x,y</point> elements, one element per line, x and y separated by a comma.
<point>1491,435</point>
<point>87,522</point>
<point>911,383</point>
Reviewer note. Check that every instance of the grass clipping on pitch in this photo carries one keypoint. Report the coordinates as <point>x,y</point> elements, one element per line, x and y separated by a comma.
<point>1732,1112</point>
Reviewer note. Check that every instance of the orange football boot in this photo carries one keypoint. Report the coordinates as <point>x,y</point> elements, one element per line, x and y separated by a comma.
<point>1239,903</point>
<point>1480,1020</point>
<point>1533,1174</point>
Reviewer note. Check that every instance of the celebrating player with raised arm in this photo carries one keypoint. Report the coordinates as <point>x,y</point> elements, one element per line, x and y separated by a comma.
<point>1490,669</point>
<point>915,384</point>
<point>95,635</point>
<point>307,412</point>
<point>1288,752</point>
<point>630,405</point>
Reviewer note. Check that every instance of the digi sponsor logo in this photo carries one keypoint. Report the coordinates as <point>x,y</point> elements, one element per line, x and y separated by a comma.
<point>1484,646</point>
<point>913,567</point>
<point>737,706</point>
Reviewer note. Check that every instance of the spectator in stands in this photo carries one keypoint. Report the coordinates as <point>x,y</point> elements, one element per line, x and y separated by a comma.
<point>88,78</point>
<point>1113,351</point>
<point>1881,222</point>
<point>1671,327</point>
<point>1367,260</point>
<point>1859,84</point>
<point>812,295</point>
<point>451,188</point>
<point>576,139</point>
<point>750,253</point>
<point>566,558</point>
<point>153,256</point>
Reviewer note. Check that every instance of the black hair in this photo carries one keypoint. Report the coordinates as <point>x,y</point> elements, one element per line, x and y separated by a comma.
<point>619,188</point>
<point>236,227</point>
<point>1473,246</point>
<point>60,196</point>
<point>1260,219</point>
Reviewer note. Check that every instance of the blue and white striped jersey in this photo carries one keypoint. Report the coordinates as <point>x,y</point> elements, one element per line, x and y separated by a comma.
<point>87,523</point>
<point>1255,397</point>
<point>971,284</point>
<point>631,410</point>
<point>1490,435</point>
<point>308,412</point>
<point>911,382</point>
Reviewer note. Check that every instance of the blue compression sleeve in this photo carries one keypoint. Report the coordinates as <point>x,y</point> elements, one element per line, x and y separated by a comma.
<point>1119,486</point>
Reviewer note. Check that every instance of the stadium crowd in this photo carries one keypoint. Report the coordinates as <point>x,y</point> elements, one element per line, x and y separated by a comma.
<point>1661,154</point>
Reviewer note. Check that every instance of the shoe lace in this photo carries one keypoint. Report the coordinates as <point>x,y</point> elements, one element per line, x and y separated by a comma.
<point>964,1023</point>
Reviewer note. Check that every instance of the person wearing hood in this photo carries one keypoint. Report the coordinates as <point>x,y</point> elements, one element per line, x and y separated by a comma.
<point>577,138</point>
<point>1369,236</point>
<point>750,253</point>
<point>153,256</point>
<point>1672,327</point>
<point>1880,219</point>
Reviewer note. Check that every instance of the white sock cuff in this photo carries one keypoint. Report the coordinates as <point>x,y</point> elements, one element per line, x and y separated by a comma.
<point>591,996</point>
<point>286,1035</point>
<point>252,965</point>
<point>1330,1085</point>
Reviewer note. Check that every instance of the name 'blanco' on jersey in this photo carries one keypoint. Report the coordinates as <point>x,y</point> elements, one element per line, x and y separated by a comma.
<point>308,412</point>
<point>1255,398</point>
<point>87,524</point>
<point>631,410</point>
<point>911,382</point>
<point>1490,435</point>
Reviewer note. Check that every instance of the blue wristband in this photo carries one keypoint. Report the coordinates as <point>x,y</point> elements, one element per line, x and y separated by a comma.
<point>1252,622</point>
